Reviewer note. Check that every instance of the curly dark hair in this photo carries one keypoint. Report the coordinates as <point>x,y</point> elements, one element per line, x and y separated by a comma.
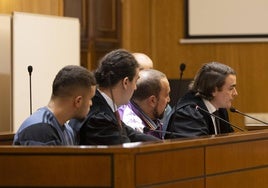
<point>115,66</point>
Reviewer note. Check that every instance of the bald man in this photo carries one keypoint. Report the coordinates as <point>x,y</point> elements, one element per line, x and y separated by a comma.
<point>143,60</point>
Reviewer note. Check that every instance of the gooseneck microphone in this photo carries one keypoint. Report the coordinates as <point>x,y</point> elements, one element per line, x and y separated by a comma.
<point>232,109</point>
<point>30,70</point>
<point>201,109</point>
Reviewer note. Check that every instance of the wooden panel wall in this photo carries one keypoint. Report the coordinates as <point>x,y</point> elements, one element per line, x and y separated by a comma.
<point>106,32</point>
<point>159,25</point>
<point>179,171</point>
<point>5,75</point>
<point>234,165</point>
<point>35,174</point>
<point>51,7</point>
<point>136,18</point>
<point>100,27</point>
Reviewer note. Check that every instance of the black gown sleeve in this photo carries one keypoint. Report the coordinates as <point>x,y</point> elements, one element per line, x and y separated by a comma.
<point>136,136</point>
<point>186,122</point>
<point>102,129</point>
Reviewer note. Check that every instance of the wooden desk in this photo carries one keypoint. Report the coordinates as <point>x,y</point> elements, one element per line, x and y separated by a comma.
<point>256,126</point>
<point>251,124</point>
<point>235,160</point>
<point>6,138</point>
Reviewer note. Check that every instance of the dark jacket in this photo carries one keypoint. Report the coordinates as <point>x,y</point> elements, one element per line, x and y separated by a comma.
<point>101,127</point>
<point>39,134</point>
<point>187,121</point>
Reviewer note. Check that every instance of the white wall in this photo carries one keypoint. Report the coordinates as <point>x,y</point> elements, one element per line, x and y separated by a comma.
<point>47,43</point>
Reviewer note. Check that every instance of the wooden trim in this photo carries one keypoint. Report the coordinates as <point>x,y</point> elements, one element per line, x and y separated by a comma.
<point>6,138</point>
<point>206,162</point>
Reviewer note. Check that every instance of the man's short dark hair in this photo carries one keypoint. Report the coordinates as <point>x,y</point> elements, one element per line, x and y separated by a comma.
<point>70,78</point>
<point>115,66</point>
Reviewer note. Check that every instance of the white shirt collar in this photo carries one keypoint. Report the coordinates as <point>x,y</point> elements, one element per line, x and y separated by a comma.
<point>109,101</point>
<point>211,109</point>
<point>209,106</point>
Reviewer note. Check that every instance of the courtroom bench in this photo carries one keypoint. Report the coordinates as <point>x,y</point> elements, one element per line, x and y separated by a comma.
<point>232,160</point>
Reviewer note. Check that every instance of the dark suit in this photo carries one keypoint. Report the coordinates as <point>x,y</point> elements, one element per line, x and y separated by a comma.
<point>187,121</point>
<point>101,127</point>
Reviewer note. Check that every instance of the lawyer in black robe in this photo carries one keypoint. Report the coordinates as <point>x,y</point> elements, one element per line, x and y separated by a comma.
<point>101,127</point>
<point>187,121</point>
<point>212,90</point>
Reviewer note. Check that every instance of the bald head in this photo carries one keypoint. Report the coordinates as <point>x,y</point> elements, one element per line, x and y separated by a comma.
<point>143,60</point>
<point>148,84</point>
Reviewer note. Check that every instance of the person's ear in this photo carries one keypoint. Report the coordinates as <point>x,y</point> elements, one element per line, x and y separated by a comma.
<point>125,82</point>
<point>152,100</point>
<point>78,101</point>
<point>215,91</point>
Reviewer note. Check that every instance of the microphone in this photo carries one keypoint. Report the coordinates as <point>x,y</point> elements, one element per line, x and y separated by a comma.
<point>147,129</point>
<point>199,108</point>
<point>30,70</point>
<point>182,68</point>
<point>232,109</point>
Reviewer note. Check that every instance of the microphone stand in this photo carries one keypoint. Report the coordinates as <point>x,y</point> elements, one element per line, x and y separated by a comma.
<point>232,109</point>
<point>30,70</point>
<point>199,108</point>
<point>182,68</point>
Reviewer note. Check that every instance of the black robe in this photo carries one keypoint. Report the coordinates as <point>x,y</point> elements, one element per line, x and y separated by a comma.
<point>101,127</point>
<point>187,121</point>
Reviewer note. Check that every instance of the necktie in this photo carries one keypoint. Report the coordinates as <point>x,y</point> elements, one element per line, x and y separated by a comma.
<point>217,121</point>
<point>118,118</point>
<point>119,126</point>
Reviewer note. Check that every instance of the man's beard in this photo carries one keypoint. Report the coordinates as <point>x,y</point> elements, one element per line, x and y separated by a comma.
<point>157,115</point>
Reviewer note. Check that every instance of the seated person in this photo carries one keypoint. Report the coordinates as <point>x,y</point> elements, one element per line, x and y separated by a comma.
<point>145,62</point>
<point>116,76</point>
<point>72,90</point>
<point>213,90</point>
<point>148,103</point>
